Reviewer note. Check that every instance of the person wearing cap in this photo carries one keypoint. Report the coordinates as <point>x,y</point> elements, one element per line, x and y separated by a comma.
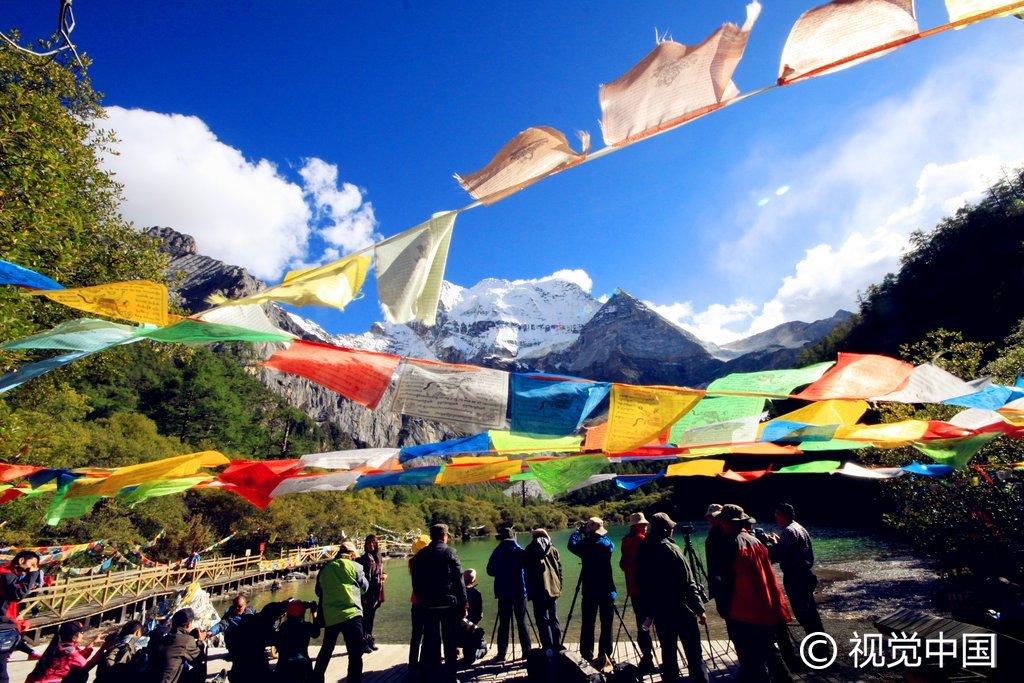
<point>415,611</point>
<point>591,544</point>
<point>440,592</point>
<point>672,599</point>
<point>755,605</point>
<point>340,585</point>
<point>717,553</point>
<point>472,640</point>
<point>292,643</point>
<point>631,542</point>
<point>544,586</point>
<point>791,548</point>
<point>506,566</point>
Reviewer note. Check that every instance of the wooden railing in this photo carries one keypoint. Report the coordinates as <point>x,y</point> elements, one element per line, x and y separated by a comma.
<point>102,590</point>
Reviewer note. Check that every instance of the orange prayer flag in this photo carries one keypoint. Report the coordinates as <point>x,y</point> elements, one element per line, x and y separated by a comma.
<point>360,376</point>
<point>674,84</point>
<point>859,376</point>
<point>528,157</point>
<point>842,33</point>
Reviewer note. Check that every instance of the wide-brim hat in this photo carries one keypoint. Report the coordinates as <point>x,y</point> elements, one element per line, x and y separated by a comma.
<point>348,548</point>
<point>598,525</point>
<point>713,510</point>
<point>734,513</point>
<point>662,521</point>
<point>637,518</point>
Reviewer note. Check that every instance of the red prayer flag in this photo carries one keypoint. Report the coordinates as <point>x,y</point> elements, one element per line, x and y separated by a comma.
<point>12,472</point>
<point>744,476</point>
<point>360,376</point>
<point>859,376</point>
<point>255,479</point>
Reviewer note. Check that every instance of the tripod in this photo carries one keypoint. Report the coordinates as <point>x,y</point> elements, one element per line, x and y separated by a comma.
<point>700,577</point>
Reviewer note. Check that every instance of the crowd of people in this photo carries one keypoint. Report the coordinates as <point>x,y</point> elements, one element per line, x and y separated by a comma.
<point>663,586</point>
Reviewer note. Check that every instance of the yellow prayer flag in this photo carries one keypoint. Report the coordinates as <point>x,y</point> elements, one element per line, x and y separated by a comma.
<point>830,412</point>
<point>983,9</point>
<point>637,414</point>
<point>695,468</point>
<point>507,442</point>
<point>887,434</point>
<point>477,474</point>
<point>334,284</point>
<point>141,301</point>
<point>478,459</point>
<point>167,468</point>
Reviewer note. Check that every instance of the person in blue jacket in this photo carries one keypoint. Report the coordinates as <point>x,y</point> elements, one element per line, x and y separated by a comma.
<point>506,566</point>
<point>591,543</point>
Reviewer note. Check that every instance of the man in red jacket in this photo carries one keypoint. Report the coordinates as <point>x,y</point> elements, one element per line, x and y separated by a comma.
<point>756,605</point>
<point>631,543</point>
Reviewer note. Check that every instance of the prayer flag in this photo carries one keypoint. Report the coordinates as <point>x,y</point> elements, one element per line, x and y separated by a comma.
<point>592,480</point>
<point>977,418</point>
<point>814,467</point>
<point>421,476</point>
<point>770,382</point>
<point>360,376</point>
<point>850,469</point>
<point>82,334</point>
<point>595,436</point>
<point>198,332</point>
<point>476,473</point>
<point>141,301</point>
<point>552,405</point>
<point>12,472</point>
<point>717,409</point>
<point>992,397</point>
<point>457,395</point>
<point>334,284</point>
<point>155,489</point>
<point>832,445</point>
<point>954,452</point>
<point>558,475</point>
<point>410,268</point>
<point>744,449</point>
<point>631,482</point>
<point>965,9</point>
<point>859,376</point>
<point>831,412</point>
<point>507,442</point>
<point>528,157</point>
<point>927,470</point>
<point>13,274</point>
<point>478,443</point>
<point>674,84</point>
<point>24,373</point>
<point>334,481</point>
<point>839,34</point>
<point>167,468</point>
<point>796,432</point>
<point>743,476</point>
<point>928,384</point>
<point>639,413</point>
<point>371,458</point>
<point>64,507</point>
<point>733,431</point>
<point>249,316</point>
<point>695,468</point>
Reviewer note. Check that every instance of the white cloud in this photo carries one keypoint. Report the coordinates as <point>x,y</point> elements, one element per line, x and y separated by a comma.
<point>350,221</point>
<point>245,212</point>
<point>577,276</point>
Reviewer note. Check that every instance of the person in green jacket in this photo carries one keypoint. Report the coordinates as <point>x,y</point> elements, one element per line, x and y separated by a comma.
<point>340,585</point>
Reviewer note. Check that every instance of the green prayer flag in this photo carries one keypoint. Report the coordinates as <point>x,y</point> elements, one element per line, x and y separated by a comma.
<point>832,445</point>
<point>198,332</point>
<point>714,409</point>
<point>815,467</point>
<point>523,476</point>
<point>506,442</point>
<point>770,382</point>
<point>154,489</point>
<point>62,507</point>
<point>954,452</point>
<point>558,475</point>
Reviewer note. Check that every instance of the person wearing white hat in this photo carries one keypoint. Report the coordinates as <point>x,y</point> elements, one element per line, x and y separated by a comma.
<point>631,542</point>
<point>591,543</point>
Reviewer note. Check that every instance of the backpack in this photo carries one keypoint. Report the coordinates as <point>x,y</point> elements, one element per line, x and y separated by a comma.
<point>9,637</point>
<point>552,571</point>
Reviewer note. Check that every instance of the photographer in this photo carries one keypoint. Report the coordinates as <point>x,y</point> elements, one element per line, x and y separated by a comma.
<point>591,544</point>
<point>292,642</point>
<point>791,548</point>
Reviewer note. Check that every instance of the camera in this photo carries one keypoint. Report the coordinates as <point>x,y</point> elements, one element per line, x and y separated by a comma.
<point>761,535</point>
<point>685,528</point>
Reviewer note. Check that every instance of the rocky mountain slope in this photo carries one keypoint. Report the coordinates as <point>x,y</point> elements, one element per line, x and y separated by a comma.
<point>548,324</point>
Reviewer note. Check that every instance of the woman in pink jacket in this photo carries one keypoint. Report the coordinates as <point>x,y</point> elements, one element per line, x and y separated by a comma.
<point>64,660</point>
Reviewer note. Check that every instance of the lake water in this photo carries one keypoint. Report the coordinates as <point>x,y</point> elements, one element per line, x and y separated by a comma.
<point>840,549</point>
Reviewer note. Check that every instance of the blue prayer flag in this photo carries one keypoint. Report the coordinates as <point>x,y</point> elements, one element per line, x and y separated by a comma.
<point>927,470</point>
<point>992,397</point>
<point>13,274</point>
<point>478,443</point>
<point>22,374</point>
<point>552,405</point>
<point>631,482</point>
<point>420,476</point>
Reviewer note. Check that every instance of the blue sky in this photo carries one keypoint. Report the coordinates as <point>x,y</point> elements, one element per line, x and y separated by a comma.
<point>273,98</point>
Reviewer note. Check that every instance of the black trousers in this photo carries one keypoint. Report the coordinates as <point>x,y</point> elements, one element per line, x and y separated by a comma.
<point>759,659</point>
<point>548,628</point>
<point>680,627</point>
<point>416,640</point>
<point>369,615</point>
<point>352,632</point>
<point>643,638</point>
<point>440,628</point>
<point>509,607</point>
<point>592,607</point>
<point>3,667</point>
<point>800,592</point>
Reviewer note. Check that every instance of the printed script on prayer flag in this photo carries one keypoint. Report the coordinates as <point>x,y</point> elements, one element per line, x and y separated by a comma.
<point>249,316</point>
<point>140,301</point>
<point>462,396</point>
<point>82,334</point>
<point>637,414</point>
<point>552,405</point>
<point>928,384</point>
<point>528,157</point>
<point>360,376</point>
<point>673,83</point>
<point>410,268</point>
<point>859,376</point>
<point>824,38</point>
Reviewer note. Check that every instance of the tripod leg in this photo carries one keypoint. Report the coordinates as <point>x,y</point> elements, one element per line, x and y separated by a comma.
<point>494,631</point>
<point>533,625</point>
<point>572,606</point>
<point>624,606</point>
<point>622,624</point>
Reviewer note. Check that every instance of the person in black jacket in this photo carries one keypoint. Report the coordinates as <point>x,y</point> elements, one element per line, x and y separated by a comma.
<point>174,652</point>
<point>292,642</point>
<point>668,589</point>
<point>252,634</point>
<point>543,586</point>
<point>506,566</point>
<point>441,594</point>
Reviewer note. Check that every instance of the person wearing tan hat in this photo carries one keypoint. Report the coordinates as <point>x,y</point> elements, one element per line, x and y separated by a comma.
<point>591,544</point>
<point>669,591</point>
<point>544,586</point>
<point>340,585</point>
<point>631,542</point>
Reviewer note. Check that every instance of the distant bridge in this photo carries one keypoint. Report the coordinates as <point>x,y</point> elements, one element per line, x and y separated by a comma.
<point>129,594</point>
